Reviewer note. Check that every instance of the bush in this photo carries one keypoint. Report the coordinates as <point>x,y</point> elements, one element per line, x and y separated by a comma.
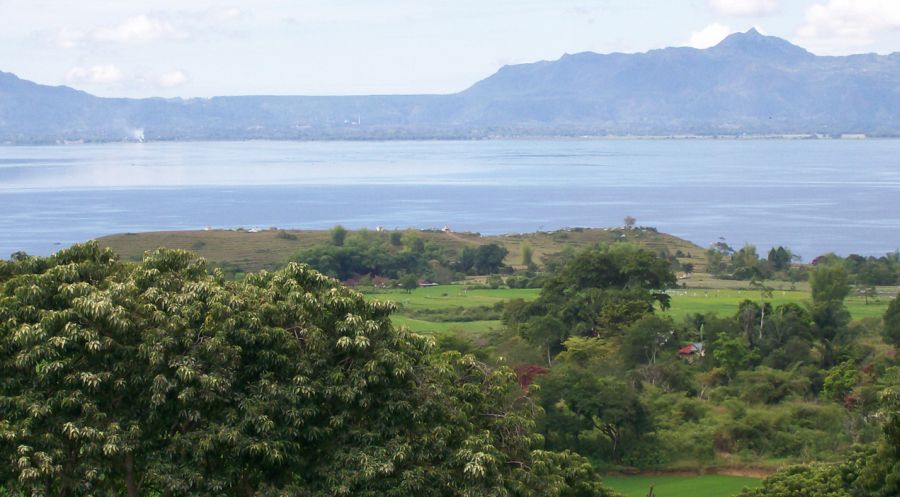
<point>768,386</point>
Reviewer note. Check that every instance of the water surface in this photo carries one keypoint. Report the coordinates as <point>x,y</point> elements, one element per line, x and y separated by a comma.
<point>813,196</point>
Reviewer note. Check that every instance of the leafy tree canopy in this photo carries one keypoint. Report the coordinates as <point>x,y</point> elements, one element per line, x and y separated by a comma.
<point>892,323</point>
<point>599,291</point>
<point>159,378</point>
<point>829,283</point>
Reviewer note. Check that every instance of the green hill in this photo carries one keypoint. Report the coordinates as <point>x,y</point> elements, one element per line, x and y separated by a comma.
<point>268,249</point>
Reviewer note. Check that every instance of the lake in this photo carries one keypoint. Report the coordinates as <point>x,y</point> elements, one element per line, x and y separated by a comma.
<point>814,196</point>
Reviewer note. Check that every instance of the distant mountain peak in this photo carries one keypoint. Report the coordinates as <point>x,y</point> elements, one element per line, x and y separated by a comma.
<point>749,83</point>
<point>752,42</point>
<point>751,36</point>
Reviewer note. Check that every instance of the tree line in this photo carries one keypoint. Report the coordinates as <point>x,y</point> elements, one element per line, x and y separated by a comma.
<point>371,254</point>
<point>747,264</point>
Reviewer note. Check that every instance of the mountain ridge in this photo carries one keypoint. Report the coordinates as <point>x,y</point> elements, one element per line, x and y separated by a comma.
<point>749,83</point>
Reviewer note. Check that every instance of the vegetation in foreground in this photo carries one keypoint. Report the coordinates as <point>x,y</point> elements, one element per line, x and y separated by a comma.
<point>161,378</point>
<point>613,372</point>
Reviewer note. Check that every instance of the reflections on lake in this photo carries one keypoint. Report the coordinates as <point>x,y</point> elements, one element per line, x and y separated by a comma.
<point>813,196</point>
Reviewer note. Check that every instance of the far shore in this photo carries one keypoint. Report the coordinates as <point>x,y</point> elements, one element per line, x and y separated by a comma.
<point>499,137</point>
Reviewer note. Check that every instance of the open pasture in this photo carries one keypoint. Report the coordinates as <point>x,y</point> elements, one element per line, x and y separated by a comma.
<point>725,302</point>
<point>722,301</point>
<point>446,296</point>
<point>681,486</point>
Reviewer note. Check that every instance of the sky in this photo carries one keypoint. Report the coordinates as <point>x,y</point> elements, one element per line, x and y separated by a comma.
<point>203,48</point>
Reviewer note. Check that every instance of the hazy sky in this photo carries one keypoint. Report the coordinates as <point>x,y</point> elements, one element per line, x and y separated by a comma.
<point>335,47</point>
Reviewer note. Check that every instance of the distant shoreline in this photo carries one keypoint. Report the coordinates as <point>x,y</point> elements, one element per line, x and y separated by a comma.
<point>673,137</point>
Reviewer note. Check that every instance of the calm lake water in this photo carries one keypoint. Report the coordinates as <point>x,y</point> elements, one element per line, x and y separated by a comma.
<point>813,196</point>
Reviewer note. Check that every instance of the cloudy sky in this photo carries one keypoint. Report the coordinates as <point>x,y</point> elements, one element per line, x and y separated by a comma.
<point>333,47</point>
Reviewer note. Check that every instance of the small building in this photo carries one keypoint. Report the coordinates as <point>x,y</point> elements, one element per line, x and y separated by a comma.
<point>692,351</point>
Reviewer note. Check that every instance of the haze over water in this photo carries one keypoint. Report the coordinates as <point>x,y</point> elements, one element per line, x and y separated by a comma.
<point>812,196</point>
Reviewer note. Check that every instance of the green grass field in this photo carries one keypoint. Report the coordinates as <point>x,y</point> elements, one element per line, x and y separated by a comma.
<point>444,296</point>
<point>724,302</point>
<point>681,486</point>
<point>471,328</point>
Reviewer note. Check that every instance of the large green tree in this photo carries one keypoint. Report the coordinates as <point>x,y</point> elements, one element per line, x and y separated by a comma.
<point>644,340</point>
<point>829,283</point>
<point>600,291</point>
<point>830,286</point>
<point>891,319</point>
<point>160,378</point>
<point>581,398</point>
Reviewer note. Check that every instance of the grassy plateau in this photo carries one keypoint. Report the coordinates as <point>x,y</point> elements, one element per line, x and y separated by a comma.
<point>254,250</point>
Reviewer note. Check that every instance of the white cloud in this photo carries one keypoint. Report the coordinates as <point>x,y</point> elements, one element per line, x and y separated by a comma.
<point>172,79</point>
<point>139,29</point>
<point>134,30</point>
<point>94,75</point>
<point>743,8</point>
<point>106,77</point>
<point>709,36</point>
<point>840,26</point>
<point>149,28</point>
<point>68,38</point>
<point>225,15</point>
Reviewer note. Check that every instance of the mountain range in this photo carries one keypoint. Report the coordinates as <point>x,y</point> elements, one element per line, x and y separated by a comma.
<point>749,84</point>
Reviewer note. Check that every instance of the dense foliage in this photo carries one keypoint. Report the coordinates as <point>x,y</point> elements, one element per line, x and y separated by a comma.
<point>159,378</point>
<point>598,292</point>
<point>364,253</point>
<point>628,387</point>
<point>865,472</point>
<point>746,264</point>
<point>892,323</point>
<point>884,270</point>
<point>166,378</point>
